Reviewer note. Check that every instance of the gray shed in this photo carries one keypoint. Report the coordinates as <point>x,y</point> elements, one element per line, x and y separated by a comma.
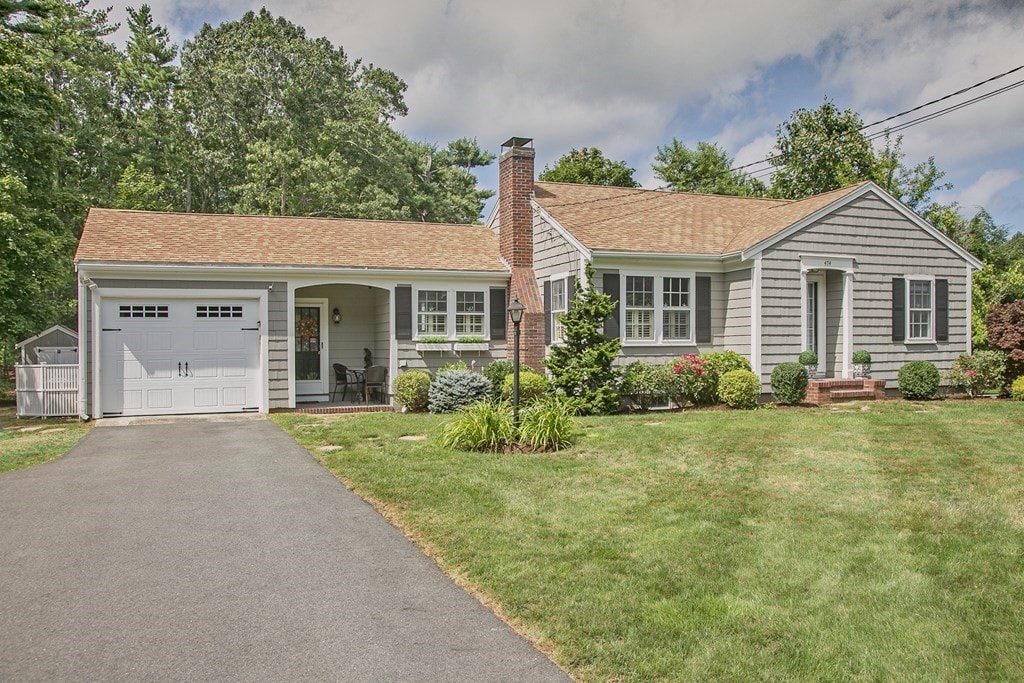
<point>54,345</point>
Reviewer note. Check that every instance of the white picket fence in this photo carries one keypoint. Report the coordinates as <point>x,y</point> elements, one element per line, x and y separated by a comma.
<point>46,390</point>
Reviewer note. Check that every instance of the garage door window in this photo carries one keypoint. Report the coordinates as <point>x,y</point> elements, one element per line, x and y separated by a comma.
<point>142,311</point>
<point>217,311</point>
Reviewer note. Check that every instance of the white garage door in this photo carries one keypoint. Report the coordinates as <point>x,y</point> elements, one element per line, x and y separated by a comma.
<point>162,357</point>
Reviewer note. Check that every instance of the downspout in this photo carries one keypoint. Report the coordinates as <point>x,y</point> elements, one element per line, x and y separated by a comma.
<point>84,284</point>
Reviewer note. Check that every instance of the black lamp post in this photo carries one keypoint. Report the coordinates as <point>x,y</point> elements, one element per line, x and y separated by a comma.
<point>515,314</point>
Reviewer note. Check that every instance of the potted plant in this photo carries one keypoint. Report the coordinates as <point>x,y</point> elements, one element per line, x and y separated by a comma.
<point>471,342</point>
<point>433,343</point>
<point>809,359</point>
<point>861,363</point>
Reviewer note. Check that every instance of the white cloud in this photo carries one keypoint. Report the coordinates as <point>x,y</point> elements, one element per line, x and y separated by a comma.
<point>988,187</point>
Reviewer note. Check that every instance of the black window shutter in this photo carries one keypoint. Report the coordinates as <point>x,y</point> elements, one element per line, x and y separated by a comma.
<point>941,310</point>
<point>703,309</point>
<point>899,309</point>
<point>403,312</point>
<point>547,311</point>
<point>611,288</point>
<point>570,289</point>
<point>498,312</point>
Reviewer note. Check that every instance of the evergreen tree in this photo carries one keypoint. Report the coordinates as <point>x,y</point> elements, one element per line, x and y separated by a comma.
<point>706,169</point>
<point>582,365</point>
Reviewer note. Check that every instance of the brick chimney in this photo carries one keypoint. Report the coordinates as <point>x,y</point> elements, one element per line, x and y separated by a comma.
<point>515,236</point>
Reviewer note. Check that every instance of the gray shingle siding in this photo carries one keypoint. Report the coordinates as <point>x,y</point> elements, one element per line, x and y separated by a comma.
<point>552,253</point>
<point>884,244</point>
<point>736,331</point>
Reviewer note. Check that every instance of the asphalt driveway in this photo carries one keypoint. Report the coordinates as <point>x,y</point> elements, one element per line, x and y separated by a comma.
<point>222,550</point>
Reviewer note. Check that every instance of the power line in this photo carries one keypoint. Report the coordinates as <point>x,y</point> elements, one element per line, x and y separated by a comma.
<point>913,122</point>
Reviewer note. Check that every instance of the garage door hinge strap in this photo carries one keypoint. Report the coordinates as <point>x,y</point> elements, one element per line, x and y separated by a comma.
<point>111,329</point>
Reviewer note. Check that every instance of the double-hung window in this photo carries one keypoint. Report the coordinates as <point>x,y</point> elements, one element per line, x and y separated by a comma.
<point>675,314</point>
<point>559,305</point>
<point>639,307</point>
<point>432,312</point>
<point>921,309</point>
<point>469,313</point>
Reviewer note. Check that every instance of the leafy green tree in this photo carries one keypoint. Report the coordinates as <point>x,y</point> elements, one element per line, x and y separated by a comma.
<point>582,366</point>
<point>445,189</point>
<point>913,186</point>
<point>705,169</point>
<point>979,234</point>
<point>139,189</point>
<point>820,150</point>
<point>589,166</point>
<point>991,286</point>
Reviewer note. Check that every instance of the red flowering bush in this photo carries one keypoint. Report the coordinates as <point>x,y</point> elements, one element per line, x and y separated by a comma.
<point>698,383</point>
<point>978,373</point>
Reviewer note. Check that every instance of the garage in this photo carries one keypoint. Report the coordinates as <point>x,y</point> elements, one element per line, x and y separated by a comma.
<point>179,356</point>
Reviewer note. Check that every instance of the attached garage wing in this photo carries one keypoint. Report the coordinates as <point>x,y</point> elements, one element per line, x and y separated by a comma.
<point>179,356</point>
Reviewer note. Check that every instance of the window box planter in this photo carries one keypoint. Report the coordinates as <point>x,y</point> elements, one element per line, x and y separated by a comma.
<point>433,346</point>
<point>472,346</point>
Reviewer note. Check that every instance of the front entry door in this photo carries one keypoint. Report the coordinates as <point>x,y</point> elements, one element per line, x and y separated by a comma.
<point>311,381</point>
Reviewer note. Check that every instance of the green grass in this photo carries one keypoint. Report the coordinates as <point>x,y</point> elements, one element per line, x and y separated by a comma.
<point>44,440</point>
<point>802,544</point>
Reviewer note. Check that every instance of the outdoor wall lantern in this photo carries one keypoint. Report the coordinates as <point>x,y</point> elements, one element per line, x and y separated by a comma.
<point>336,316</point>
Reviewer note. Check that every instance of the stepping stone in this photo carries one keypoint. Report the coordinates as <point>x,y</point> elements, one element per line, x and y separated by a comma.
<point>29,429</point>
<point>413,437</point>
<point>54,430</point>
<point>651,424</point>
<point>329,449</point>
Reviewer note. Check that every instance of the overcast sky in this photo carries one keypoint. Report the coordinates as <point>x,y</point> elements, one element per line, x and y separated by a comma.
<point>628,76</point>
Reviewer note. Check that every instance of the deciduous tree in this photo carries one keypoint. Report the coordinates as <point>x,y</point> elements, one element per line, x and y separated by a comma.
<point>589,166</point>
<point>705,169</point>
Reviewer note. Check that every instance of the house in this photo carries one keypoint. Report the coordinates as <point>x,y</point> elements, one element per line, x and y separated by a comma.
<point>54,345</point>
<point>186,313</point>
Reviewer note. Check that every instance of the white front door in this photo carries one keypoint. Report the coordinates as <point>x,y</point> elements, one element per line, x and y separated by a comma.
<point>178,356</point>
<point>816,320</point>
<point>311,357</point>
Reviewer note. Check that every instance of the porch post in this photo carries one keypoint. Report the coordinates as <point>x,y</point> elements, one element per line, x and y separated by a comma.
<point>847,323</point>
<point>804,341</point>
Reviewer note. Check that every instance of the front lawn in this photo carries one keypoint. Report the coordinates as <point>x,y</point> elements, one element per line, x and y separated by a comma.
<point>811,544</point>
<point>30,441</point>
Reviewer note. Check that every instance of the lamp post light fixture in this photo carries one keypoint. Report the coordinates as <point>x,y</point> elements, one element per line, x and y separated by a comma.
<point>515,314</point>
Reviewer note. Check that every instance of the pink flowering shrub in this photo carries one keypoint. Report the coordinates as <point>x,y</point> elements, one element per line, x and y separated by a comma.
<point>978,373</point>
<point>697,382</point>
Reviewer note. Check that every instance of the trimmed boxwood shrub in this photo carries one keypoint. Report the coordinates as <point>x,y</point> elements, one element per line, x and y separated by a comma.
<point>456,389</point>
<point>1017,389</point>
<point>808,357</point>
<point>739,389</point>
<point>918,380</point>
<point>789,383</point>
<point>412,389</point>
<point>496,371</point>
<point>532,385</point>
<point>861,357</point>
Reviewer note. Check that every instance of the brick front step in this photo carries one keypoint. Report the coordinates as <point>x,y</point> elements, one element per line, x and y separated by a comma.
<point>821,392</point>
<point>850,394</point>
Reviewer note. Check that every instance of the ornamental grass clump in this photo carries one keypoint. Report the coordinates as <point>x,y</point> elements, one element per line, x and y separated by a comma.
<point>548,424</point>
<point>481,426</point>
<point>739,389</point>
<point>918,380</point>
<point>789,383</point>
<point>455,389</point>
<point>412,390</point>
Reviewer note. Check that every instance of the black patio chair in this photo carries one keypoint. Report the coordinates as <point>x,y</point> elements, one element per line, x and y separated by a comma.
<point>342,380</point>
<point>376,379</point>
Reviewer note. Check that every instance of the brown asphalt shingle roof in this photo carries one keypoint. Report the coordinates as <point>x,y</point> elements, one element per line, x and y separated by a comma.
<point>154,237</point>
<point>627,219</point>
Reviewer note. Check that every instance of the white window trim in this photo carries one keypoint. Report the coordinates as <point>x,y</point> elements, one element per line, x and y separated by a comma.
<point>907,279</point>
<point>564,278</point>
<point>657,323</point>
<point>450,313</point>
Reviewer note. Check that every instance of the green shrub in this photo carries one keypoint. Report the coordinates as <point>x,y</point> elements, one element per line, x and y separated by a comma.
<point>918,380</point>
<point>549,424</point>
<point>721,362</point>
<point>808,357</point>
<point>481,426</point>
<point>532,385</point>
<point>739,389</point>
<point>789,383</point>
<point>645,384</point>
<point>861,357</point>
<point>453,365</point>
<point>978,373</point>
<point>455,389</point>
<point>698,383</point>
<point>1017,389</point>
<point>675,387</point>
<point>496,371</point>
<point>412,389</point>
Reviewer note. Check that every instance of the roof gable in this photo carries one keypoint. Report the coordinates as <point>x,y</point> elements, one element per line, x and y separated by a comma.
<point>113,235</point>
